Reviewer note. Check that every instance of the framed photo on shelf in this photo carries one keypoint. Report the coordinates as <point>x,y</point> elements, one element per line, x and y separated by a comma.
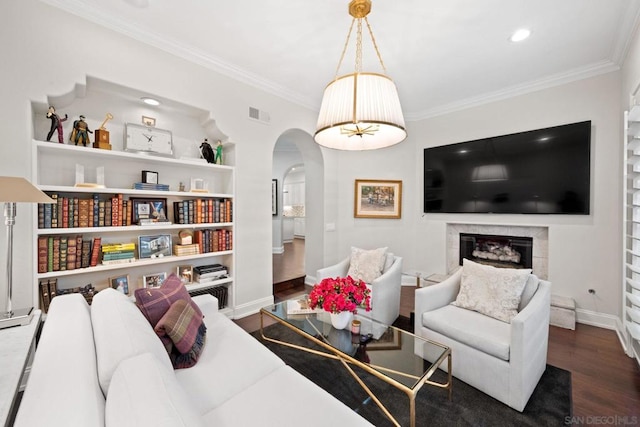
<point>199,185</point>
<point>150,177</point>
<point>148,210</point>
<point>156,246</point>
<point>377,199</point>
<point>120,283</point>
<point>154,280</point>
<point>185,273</point>
<point>274,197</point>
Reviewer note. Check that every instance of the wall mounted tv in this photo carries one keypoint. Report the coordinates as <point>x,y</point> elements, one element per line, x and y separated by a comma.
<point>545,171</point>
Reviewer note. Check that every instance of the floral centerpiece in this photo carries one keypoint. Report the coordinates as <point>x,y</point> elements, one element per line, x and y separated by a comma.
<point>340,294</point>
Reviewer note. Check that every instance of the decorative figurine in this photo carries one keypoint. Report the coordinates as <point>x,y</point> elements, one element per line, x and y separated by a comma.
<point>207,151</point>
<point>218,158</point>
<point>79,133</point>
<point>56,124</point>
<point>102,135</point>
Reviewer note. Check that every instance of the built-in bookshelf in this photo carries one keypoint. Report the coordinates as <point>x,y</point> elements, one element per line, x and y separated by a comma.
<point>104,201</point>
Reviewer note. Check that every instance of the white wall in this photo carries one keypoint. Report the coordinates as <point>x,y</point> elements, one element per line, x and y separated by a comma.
<point>282,162</point>
<point>48,51</point>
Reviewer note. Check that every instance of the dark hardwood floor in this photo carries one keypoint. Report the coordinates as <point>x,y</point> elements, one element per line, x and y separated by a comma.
<point>605,381</point>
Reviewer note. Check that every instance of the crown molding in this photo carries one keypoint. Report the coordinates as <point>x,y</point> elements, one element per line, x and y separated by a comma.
<point>110,22</point>
<point>559,79</point>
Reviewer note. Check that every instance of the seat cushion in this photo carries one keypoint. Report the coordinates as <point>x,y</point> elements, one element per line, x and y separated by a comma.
<point>144,392</point>
<point>474,329</point>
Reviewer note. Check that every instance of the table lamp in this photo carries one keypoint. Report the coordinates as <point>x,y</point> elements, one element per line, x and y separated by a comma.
<point>16,190</point>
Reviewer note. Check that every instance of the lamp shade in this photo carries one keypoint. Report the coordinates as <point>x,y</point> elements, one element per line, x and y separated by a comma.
<point>17,189</point>
<point>360,111</point>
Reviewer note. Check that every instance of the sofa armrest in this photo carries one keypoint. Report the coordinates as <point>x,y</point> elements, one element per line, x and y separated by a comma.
<point>436,296</point>
<point>207,303</point>
<point>385,294</point>
<point>530,327</point>
<point>337,270</point>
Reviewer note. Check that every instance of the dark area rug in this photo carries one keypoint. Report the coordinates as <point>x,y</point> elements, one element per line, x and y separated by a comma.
<point>549,405</point>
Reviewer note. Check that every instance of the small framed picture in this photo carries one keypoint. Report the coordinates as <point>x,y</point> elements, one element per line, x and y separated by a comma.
<point>120,283</point>
<point>199,185</point>
<point>148,121</point>
<point>154,280</point>
<point>185,273</point>
<point>157,246</point>
<point>148,210</point>
<point>150,177</point>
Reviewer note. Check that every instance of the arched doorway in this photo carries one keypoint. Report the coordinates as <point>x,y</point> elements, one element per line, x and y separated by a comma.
<point>296,149</point>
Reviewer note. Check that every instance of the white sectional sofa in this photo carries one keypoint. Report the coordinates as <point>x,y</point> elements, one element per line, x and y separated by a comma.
<point>102,365</point>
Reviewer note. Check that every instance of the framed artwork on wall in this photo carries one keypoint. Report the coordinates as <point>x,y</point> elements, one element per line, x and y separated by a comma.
<point>377,199</point>
<point>274,197</point>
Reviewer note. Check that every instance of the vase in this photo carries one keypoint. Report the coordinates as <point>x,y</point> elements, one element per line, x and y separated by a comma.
<point>341,320</point>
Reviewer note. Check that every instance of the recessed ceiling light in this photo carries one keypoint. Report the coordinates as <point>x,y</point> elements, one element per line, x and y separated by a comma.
<point>150,101</point>
<point>521,34</point>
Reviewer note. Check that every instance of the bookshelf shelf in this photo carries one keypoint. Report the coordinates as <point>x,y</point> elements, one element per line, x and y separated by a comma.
<point>133,192</point>
<point>134,264</point>
<point>141,229</point>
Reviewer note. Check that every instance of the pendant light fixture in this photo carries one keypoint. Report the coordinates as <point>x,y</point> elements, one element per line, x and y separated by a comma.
<point>360,111</point>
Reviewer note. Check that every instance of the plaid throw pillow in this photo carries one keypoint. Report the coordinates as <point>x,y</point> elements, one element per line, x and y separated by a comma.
<point>182,331</point>
<point>155,302</point>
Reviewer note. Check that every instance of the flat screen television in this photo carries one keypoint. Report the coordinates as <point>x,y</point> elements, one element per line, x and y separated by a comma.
<point>544,171</point>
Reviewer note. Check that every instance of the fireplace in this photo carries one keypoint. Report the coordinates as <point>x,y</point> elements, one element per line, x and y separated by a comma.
<point>499,251</point>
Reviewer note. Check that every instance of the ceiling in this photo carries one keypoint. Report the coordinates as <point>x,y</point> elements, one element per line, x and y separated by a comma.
<point>443,55</point>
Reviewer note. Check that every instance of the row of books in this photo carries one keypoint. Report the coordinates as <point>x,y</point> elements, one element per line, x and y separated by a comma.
<point>48,289</point>
<point>202,211</point>
<point>118,253</point>
<point>220,292</point>
<point>209,273</point>
<point>213,240</point>
<point>150,186</point>
<point>70,212</point>
<point>115,211</point>
<point>59,253</point>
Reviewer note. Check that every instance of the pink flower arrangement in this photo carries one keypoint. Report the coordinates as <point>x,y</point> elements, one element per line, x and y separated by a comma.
<point>340,294</point>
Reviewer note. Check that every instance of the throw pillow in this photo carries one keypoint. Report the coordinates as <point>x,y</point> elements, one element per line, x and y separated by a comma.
<point>366,265</point>
<point>154,302</point>
<point>182,331</point>
<point>492,291</point>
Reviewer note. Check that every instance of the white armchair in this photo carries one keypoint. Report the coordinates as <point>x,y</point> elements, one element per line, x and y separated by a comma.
<point>385,290</point>
<point>503,360</point>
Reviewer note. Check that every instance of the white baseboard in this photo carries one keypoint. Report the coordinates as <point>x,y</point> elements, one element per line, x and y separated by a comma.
<point>593,318</point>
<point>252,307</point>
<point>606,321</point>
<point>279,250</point>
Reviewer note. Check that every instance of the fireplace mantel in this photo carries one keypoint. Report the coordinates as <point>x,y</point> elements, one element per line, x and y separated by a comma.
<point>539,234</point>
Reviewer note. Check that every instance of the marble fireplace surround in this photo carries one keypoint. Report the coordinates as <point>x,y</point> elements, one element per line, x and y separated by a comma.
<point>540,236</point>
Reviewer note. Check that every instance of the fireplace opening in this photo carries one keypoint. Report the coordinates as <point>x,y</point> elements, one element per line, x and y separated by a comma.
<point>499,251</point>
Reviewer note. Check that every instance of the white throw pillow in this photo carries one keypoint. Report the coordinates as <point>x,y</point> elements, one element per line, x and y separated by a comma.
<point>492,291</point>
<point>367,265</point>
<point>120,331</point>
<point>143,392</point>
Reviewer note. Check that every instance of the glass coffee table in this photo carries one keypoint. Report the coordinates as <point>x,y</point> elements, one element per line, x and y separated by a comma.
<point>389,354</point>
